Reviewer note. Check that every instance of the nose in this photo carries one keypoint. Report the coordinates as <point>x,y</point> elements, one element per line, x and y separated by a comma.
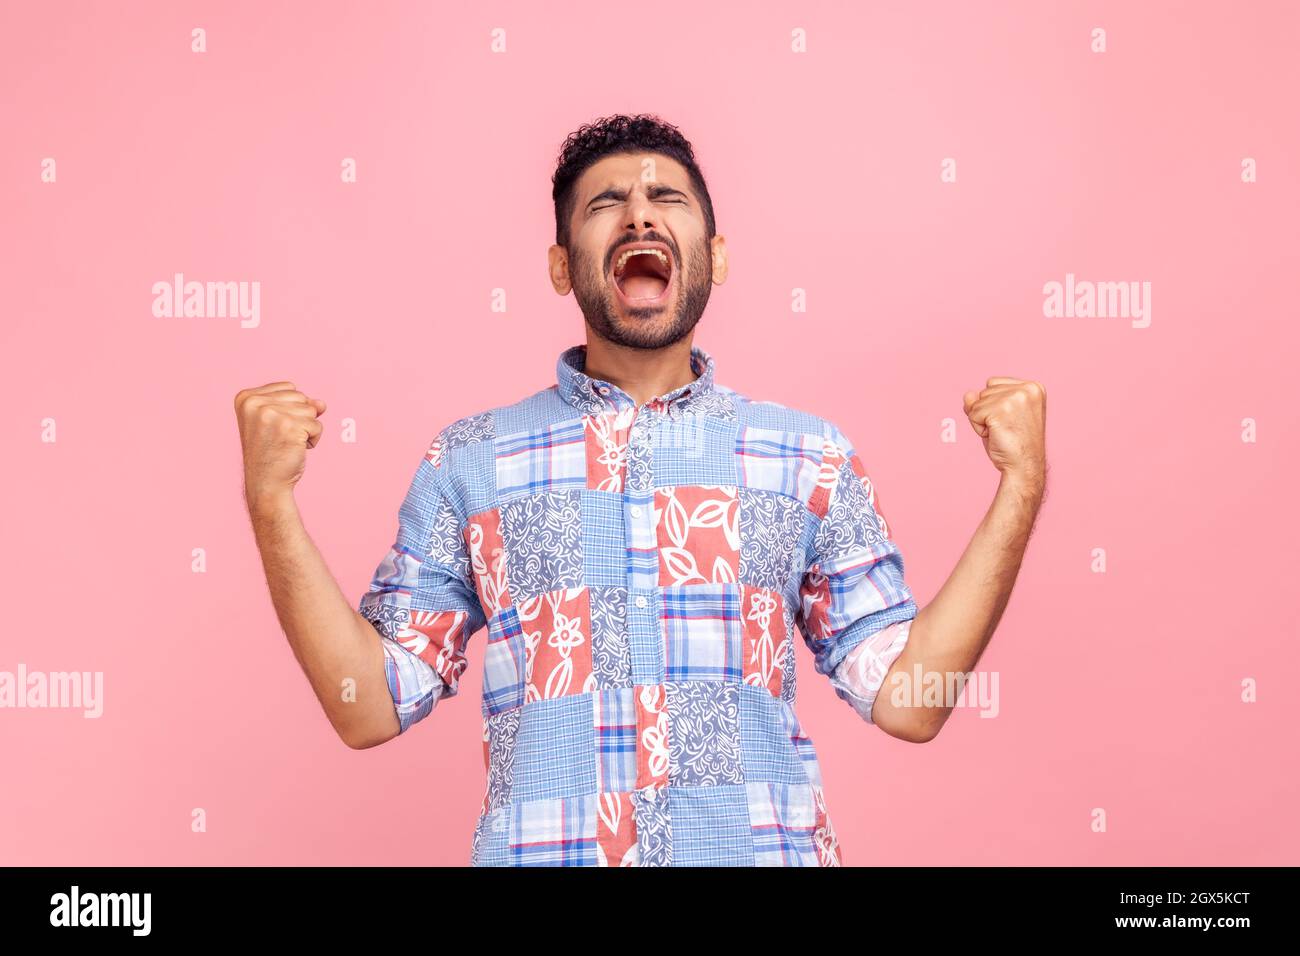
<point>641,213</point>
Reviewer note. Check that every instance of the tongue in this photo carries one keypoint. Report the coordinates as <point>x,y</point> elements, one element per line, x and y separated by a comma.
<point>642,287</point>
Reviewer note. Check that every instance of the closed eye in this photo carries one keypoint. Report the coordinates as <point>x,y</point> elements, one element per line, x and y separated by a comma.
<point>608,205</point>
<point>658,192</point>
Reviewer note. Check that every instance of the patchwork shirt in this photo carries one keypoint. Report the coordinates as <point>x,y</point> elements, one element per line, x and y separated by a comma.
<point>642,573</point>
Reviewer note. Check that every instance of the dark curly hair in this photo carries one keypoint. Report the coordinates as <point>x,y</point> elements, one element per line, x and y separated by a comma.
<point>611,135</point>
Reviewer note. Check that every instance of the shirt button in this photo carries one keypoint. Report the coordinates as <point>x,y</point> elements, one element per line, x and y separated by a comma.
<point>636,511</point>
<point>641,601</point>
<point>604,389</point>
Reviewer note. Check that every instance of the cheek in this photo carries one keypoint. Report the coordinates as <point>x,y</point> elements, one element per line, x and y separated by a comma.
<point>593,249</point>
<point>586,263</point>
<point>697,261</point>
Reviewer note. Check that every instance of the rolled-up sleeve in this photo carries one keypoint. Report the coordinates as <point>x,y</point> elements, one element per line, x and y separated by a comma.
<point>860,676</point>
<point>421,599</point>
<point>855,608</point>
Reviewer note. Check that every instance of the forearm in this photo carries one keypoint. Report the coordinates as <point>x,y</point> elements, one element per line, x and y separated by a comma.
<point>330,639</point>
<point>949,634</point>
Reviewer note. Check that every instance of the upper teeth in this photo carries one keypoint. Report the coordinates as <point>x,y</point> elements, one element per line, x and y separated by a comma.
<point>622,260</point>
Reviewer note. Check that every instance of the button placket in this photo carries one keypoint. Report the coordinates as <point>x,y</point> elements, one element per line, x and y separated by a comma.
<point>644,639</point>
<point>639,492</point>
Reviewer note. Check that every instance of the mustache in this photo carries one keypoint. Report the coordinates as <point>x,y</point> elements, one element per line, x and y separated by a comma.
<point>648,237</point>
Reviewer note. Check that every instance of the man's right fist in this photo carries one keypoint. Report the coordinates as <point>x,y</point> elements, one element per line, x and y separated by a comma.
<point>277,424</point>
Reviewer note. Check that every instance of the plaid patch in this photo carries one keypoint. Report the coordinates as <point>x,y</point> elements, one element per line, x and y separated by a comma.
<point>552,459</point>
<point>765,743</point>
<point>710,826</point>
<point>788,463</point>
<point>783,818</point>
<point>553,749</point>
<point>641,542</point>
<point>847,600</point>
<point>800,742</point>
<point>614,713</point>
<point>604,544</point>
<point>413,685</point>
<point>504,663</point>
<point>559,832</point>
<point>703,633</point>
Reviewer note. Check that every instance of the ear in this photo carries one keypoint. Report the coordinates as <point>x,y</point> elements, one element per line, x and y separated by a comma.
<point>557,265</point>
<point>719,251</point>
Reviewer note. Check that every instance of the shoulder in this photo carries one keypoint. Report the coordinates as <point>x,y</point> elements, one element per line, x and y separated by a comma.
<point>765,415</point>
<point>465,431</point>
<point>464,442</point>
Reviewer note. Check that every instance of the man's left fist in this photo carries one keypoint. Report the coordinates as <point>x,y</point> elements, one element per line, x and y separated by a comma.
<point>1011,416</point>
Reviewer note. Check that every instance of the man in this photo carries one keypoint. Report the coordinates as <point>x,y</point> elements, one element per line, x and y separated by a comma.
<point>642,544</point>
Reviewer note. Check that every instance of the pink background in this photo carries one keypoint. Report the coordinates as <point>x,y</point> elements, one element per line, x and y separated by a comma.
<point>1118,690</point>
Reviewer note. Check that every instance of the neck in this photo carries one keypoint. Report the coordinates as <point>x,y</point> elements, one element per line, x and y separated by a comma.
<point>642,373</point>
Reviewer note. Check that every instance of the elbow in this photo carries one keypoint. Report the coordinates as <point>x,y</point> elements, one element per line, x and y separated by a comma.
<point>364,738</point>
<point>912,727</point>
<point>919,735</point>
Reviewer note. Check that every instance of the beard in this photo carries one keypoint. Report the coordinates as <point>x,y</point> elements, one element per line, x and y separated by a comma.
<point>643,328</point>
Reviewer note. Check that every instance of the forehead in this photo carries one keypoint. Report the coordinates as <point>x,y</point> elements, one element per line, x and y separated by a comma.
<point>628,169</point>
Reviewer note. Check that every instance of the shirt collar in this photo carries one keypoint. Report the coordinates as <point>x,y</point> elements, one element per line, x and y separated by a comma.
<point>596,395</point>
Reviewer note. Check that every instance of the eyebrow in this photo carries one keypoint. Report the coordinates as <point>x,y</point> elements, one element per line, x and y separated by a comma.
<point>654,192</point>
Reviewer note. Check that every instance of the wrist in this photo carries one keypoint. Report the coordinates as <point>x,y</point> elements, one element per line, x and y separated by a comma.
<point>265,501</point>
<point>1026,484</point>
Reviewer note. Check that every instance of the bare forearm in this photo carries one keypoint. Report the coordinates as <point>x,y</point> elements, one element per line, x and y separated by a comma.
<point>950,633</point>
<point>956,626</point>
<point>332,642</point>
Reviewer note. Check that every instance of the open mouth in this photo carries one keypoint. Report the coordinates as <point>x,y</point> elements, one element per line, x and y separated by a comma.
<point>643,273</point>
